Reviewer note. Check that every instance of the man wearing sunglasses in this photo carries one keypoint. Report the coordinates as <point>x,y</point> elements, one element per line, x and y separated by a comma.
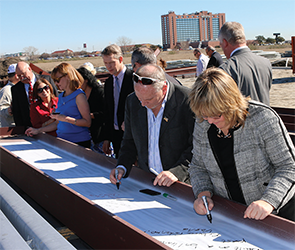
<point>158,129</point>
<point>20,93</point>
<point>202,61</point>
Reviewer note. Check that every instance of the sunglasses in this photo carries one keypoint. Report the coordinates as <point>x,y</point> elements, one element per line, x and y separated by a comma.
<point>40,90</point>
<point>144,80</point>
<point>58,79</point>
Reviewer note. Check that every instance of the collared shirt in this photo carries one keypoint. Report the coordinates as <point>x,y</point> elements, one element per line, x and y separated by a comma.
<point>202,64</point>
<point>27,85</point>
<point>237,50</point>
<point>120,77</point>
<point>154,126</point>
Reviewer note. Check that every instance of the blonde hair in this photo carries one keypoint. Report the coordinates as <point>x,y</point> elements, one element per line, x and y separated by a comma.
<point>66,69</point>
<point>162,63</point>
<point>215,93</point>
<point>112,49</point>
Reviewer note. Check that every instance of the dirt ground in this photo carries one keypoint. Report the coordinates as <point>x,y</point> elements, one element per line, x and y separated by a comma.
<point>282,93</point>
<point>165,55</point>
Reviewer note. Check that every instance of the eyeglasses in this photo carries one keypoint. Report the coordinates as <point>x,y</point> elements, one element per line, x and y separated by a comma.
<point>22,76</point>
<point>212,117</point>
<point>144,80</point>
<point>40,90</point>
<point>58,79</point>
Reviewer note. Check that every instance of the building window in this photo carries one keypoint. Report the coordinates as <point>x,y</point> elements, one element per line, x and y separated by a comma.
<point>187,30</point>
<point>215,28</point>
<point>187,27</point>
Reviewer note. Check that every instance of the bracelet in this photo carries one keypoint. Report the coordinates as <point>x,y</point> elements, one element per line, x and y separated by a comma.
<point>75,121</point>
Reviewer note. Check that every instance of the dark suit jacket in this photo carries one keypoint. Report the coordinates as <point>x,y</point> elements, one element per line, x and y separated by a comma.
<point>172,79</point>
<point>96,106</point>
<point>215,60</point>
<point>252,73</point>
<point>175,141</point>
<point>20,103</point>
<point>126,89</point>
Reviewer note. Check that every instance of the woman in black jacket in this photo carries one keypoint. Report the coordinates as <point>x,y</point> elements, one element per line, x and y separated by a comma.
<point>95,97</point>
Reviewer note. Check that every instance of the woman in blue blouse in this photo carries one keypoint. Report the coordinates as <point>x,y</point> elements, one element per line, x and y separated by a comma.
<point>72,115</point>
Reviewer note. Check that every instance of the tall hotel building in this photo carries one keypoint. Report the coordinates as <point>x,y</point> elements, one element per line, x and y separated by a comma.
<point>195,27</point>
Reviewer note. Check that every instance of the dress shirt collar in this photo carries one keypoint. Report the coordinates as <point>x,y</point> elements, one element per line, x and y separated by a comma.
<point>27,85</point>
<point>120,76</point>
<point>34,79</point>
<point>166,96</point>
<point>239,48</point>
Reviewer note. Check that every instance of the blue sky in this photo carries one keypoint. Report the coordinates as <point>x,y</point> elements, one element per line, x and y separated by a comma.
<point>50,25</point>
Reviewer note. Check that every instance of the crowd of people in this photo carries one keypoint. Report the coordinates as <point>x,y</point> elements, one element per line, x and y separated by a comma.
<point>221,136</point>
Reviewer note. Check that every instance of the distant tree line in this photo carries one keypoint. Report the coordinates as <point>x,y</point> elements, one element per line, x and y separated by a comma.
<point>126,45</point>
<point>262,40</point>
<point>123,42</point>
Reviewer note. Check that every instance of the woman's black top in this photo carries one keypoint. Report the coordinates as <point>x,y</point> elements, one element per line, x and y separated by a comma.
<point>222,148</point>
<point>96,106</point>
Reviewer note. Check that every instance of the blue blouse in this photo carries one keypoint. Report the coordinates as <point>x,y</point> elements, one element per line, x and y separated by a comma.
<point>67,106</point>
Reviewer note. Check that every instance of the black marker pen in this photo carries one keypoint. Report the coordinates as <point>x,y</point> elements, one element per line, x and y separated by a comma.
<point>116,175</point>
<point>209,217</point>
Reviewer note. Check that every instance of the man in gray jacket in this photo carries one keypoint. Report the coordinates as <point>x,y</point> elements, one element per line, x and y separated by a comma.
<point>252,73</point>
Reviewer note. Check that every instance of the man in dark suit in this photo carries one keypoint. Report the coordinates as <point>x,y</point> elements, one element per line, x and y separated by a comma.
<point>20,93</point>
<point>215,58</point>
<point>252,73</point>
<point>117,87</point>
<point>158,128</point>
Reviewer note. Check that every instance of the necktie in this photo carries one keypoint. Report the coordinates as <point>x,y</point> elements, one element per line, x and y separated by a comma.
<point>31,93</point>
<point>116,102</point>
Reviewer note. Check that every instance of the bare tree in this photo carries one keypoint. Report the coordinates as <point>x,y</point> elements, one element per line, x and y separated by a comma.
<point>123,42</point>
<point>31,52</point>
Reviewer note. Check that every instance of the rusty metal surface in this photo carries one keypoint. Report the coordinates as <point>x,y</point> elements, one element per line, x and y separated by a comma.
<point>288,117</point>
<point>182,72</point>
<point>293,53</point>
<point>38,70</point>
<point>8,131</point>
<point>176,72</point>
<point>96,226</point>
